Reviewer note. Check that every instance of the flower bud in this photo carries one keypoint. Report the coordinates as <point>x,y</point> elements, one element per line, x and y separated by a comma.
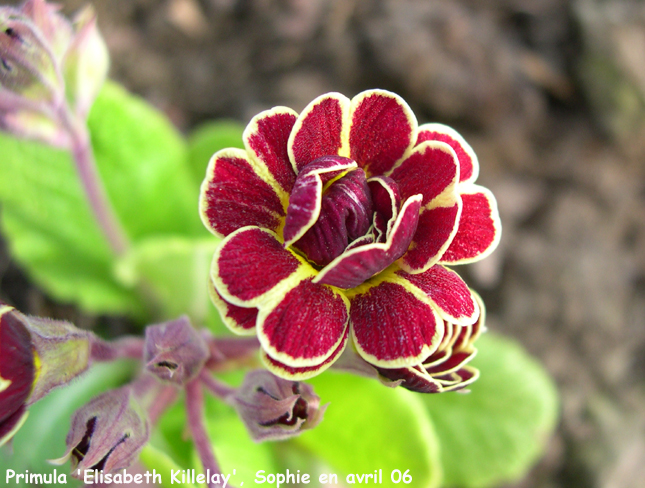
<point>107,434</point>
<point>273,408</point>
<point>27,65</point>
<point>36,355</point>
<point>86,62</point>
<point>174,351</point>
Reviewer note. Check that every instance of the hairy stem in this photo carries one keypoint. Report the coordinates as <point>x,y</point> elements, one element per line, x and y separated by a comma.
<point>218,388</point>
<point>81,149</point>
<point>195,414</point>
<point>125,347</point>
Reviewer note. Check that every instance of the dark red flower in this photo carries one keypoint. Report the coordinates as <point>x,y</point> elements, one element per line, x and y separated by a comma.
<point>337,223</point>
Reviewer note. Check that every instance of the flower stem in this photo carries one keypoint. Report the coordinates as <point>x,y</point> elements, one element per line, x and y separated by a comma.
<point>81,149</point>
<point>227,351</point>
<point>218,388</point>
<point>126,347</point>
<point>195,413</point>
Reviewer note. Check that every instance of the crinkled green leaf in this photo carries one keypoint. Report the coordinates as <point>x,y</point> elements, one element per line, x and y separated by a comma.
<point>368,427</point>
<point>43,435</point>
<point>51,230</point>
<point>497,431</point>
<point>176,268</point>
<point>209,138</point>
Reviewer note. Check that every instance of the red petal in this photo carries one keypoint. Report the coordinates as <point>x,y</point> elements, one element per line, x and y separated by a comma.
<point>468,163</point>
<point>320,130</point>
<point>454,301</point>
<point>383,129</point>
<point>436,229</point>
<point>353,267</point>
<point>413,378</point>
<point>240,320</point>
<point>266,138</point>
<point>305,326</point>
<point>17,369</point>
<point>306,372</point>
<point>10,425</point>
<point>393,326</point>
<point>456,361</point>
<point>251,262</point>
<point>305,200</point>
<point>479,227</point>
<point>431,170</point>
<point>386,197</point>
<point>234,195</point>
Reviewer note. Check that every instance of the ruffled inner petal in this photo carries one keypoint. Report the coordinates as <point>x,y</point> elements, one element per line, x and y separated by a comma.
<point>353,267</point>
<point>305,201</point>
<point>266,138</point>
<point>468,163</point>
<point>345,215</point>
<point>235,194</point>
<point>383,128</point>
<point>452,297</point>
<point>479,229</point>
<point>305,326</point>
<point>251,263</point>
<point>393,326</point>
<point>320,130</point>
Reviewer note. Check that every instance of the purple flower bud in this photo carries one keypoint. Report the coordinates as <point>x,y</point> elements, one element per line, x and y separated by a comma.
<point>273,408</point>
<point>107,434</point>
<point>174,351</point>
<point>27,65</point>
<point>36,355</point>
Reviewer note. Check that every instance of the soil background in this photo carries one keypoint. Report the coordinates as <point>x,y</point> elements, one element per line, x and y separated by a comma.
<point>551,95</point>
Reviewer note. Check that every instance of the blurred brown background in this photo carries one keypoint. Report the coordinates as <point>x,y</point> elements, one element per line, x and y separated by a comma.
<point>551,95</point>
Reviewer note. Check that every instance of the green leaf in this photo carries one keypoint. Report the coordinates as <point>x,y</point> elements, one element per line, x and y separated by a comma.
<point>51,231</point>
<point>368,427</point>
<point>143,162</point>
<point>42,436</point>
<point>209,138</point>
<point>176,268</point>
<point>497,431</point>
<point>157,460</point>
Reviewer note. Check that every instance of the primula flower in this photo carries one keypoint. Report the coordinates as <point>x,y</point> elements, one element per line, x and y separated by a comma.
<point>338,223</point>
<point>36,355</point>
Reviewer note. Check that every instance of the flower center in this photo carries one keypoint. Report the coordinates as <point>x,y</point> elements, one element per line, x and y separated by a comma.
<point>345,208</point>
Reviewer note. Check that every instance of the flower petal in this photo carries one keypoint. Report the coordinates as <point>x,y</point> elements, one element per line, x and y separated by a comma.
<point>431,170</point>
<point>386,198</point>
<point>250,265</point>
<point>479,227</point>
<point>436,228</point>
<point>413,378</point>
<point>321,130</point>
<point>456,361</point>
<point>10,425</point>
<point>468,163</point>
<point>305,201</point>
<point>304,326</point>
<point>383,129</point>
<point>345,215</point>
<point>266,140</point>
<point>393,324</point>
<point>306,372</point>
<point>353,267</point>
<point>451,296</point>
<point>240,320</point>
<point>17,368</point>
<point>235,193</point>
